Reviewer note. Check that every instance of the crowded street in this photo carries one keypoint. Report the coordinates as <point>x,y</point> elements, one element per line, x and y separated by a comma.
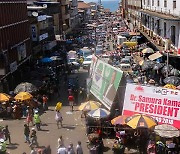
<point>79,78</point>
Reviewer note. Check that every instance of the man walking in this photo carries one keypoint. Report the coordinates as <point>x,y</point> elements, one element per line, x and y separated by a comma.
<point>79,148</point>
<point>71,101</point>
<point>26,133</point>
<point>37,120</point>
<point>7,134</point>
<point>33,138</point>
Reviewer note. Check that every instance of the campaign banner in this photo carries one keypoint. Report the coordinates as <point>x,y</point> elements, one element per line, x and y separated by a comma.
<point>160,103</point>
<point>105,82</point>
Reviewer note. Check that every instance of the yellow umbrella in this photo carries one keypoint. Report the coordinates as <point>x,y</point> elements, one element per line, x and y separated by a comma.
<point>140,121</point>
<point>89,105</point>
<point>170,86</point>
<point>22,96</point>
<point>119,120</point>
<point>4,97</point>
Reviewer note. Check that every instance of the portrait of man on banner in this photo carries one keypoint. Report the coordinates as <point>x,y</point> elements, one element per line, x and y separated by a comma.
<point>110,90</point>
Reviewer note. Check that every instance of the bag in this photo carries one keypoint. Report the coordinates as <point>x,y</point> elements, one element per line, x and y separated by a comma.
<point>58,106</point>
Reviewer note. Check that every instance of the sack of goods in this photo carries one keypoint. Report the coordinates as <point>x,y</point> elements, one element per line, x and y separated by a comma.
<point>58,106</point>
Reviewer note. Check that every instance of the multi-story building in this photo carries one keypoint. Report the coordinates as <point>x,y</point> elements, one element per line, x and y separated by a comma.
<point>84,11</point>
<point>133,12</point>
<point>15,46</point>
<point>74,16</point>
<point>44,19</point>
<point>163,18</point>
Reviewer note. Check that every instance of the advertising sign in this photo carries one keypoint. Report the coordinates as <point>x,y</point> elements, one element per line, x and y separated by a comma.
<point>105,82</point>
<point>160,103</point>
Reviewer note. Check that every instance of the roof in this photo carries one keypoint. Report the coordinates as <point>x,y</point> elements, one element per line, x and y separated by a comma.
<point>160,15</point>
<point>83,5</point>
<point>107,10</point>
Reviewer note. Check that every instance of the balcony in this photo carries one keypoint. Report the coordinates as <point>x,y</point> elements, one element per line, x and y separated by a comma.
<point>155,39</point>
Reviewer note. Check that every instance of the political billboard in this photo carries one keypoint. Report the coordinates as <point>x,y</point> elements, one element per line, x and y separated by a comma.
<point>160,103</point>
<point>105,82</point>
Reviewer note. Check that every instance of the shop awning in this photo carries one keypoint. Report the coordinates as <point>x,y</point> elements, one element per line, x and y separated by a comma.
<point>155,56</point>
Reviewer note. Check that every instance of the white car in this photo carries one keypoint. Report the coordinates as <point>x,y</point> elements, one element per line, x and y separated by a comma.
<point>87,62</point>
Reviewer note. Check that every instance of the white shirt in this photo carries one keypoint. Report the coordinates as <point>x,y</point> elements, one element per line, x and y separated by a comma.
<point>62,150</point>
<point>79,149</point>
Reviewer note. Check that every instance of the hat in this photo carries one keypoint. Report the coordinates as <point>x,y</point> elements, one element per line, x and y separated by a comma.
<point>36,111</point>
<point>1,140</point>
<point>32,128</point>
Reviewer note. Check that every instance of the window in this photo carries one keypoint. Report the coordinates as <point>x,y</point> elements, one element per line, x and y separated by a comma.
<point>152,2</point>
<point>148,2</point>
<point>144,2</point>
<point>165,3</point>
<point>173,36</point>
<point>157,2</point>
<point>174,4</point>
<point>164,29</point>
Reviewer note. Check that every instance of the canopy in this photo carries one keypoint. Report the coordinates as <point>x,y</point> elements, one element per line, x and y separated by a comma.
<point>4,97</point>
<point>98,113</point>
<point>119,120</point>
<point>155,56</point>
<point>140,121</point>
<point>89,105</point>
<point>167,131</point>
<point>22,96</point>
<point>25,87</point>
<point>147,50</point>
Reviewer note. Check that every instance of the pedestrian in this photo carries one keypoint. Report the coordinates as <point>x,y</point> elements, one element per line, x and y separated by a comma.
<point>33,138</point>
<point>45,100</point>
<point>26,133</point>
<point>58,118</point>
<point>7,134</point>
<point>70,149</point>
<point>62,150</point>
<point>79,149</point>
<point>71,101</point>
<point>29,117</point>
<point>60,141</point>
<point>37,120</point>
<point>33,151</point>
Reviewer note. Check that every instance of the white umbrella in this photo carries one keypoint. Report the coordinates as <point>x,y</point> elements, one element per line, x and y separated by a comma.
<point>98,113</point>
<point>167,131</point>
<point>148,50</point>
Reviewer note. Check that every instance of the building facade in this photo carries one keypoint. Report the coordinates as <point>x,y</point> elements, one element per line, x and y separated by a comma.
<point>74,16</point>
<point>15,46</point>
<point>163,18</point>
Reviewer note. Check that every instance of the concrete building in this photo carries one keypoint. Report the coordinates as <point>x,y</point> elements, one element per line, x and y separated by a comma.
<point>74,16</point>
<point>84,11</point>
<point>163,18</point>
<point>15,46</point>
<point>157,20</point>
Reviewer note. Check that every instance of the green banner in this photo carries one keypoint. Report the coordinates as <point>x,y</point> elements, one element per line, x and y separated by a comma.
<point>105,82</point>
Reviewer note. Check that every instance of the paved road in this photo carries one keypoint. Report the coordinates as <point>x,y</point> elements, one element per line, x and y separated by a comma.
<point>72,131</point>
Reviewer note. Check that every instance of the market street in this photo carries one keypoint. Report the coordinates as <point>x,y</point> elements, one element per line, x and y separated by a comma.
<point>73,127</point>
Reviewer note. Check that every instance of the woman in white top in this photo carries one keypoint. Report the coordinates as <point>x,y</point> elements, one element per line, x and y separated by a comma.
<point>58,118</point>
